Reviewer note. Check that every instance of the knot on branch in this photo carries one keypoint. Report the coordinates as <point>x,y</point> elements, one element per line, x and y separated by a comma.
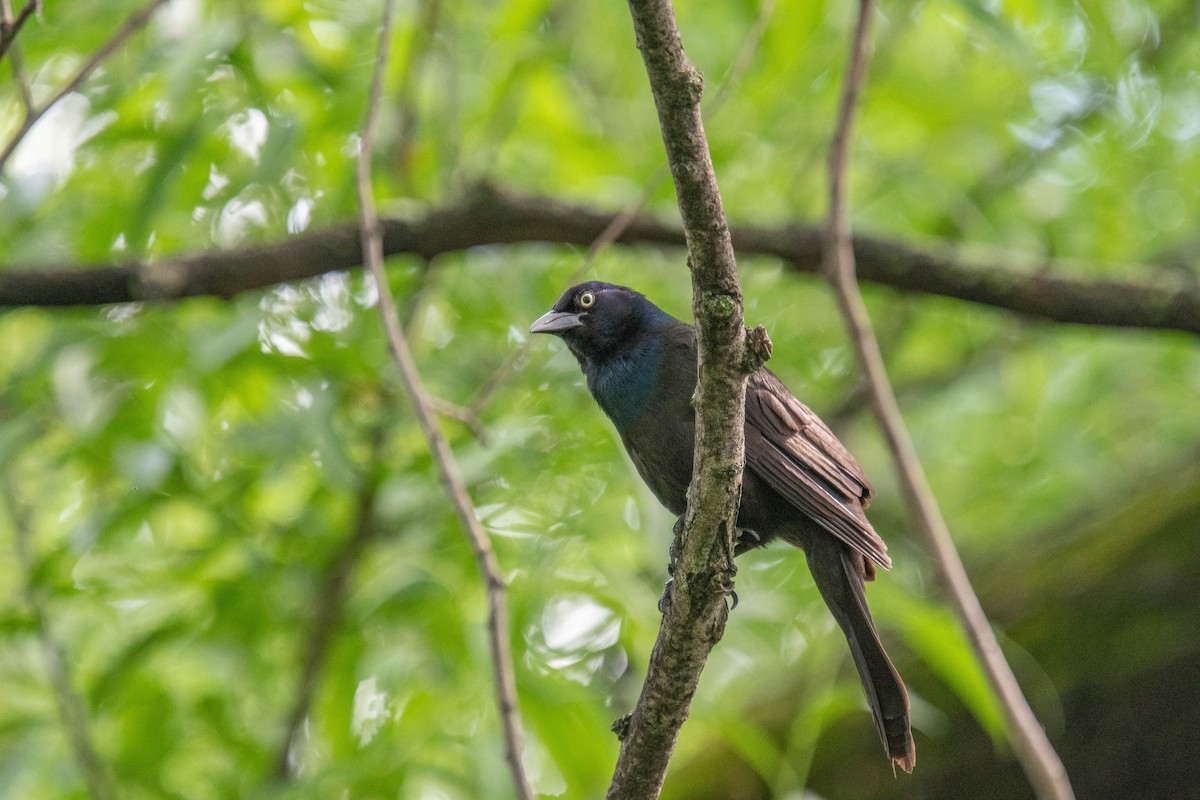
<point>683,87</point>
<point>159,281</point>
<point>692,86</point>
<point>724,570</point>
<point>620,726</point>
<point>758,349</point>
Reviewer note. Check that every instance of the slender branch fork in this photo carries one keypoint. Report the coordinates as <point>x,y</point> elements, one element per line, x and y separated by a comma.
<point>14,51</point>
<point>372,253</point>
<point>10,26</point>
<point>1037,756</point>
<point>135,23</point>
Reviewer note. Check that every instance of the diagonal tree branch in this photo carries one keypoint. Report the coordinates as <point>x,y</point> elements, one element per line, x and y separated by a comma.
<point>10,26</point>
<point>695,612</point>
<point>1033,748</point>
<point>131,26</point>
<point>443,457</point>
<point>1026,285</point>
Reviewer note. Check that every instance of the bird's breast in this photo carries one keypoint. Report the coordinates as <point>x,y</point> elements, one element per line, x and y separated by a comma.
<point>647,393</point>
<point>624,385</point>
<point>665,465</point>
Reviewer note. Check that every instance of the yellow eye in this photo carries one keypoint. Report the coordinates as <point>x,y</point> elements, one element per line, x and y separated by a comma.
<point>587,300</point>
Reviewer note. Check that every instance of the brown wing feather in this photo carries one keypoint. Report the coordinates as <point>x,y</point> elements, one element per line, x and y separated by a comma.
<point>800,458</point>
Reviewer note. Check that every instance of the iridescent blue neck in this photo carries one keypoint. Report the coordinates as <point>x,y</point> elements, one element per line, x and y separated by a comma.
<point>623,383</point>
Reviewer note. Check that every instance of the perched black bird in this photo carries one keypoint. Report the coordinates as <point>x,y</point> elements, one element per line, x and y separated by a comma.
<point>800,484</point>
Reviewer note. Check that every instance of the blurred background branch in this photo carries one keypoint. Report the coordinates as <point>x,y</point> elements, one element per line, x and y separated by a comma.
<point>1031,287</point>
<point>32,115</point>
<point>11,28</point>
<point>423,407</point>
<point>1033,748</point>
<point>328,605</point>
<point>10,25</point>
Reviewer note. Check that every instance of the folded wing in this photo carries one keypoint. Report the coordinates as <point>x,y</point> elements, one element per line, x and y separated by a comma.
<point>789,447</point>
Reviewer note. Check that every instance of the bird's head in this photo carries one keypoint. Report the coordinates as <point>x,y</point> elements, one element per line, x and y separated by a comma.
<point>597,319</point>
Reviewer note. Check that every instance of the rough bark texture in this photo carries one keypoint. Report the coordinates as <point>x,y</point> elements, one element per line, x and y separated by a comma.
<point>695,612</point>
<point>487,217</point>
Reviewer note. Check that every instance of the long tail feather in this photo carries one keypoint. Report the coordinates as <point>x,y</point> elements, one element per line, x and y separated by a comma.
<point>839,574</point>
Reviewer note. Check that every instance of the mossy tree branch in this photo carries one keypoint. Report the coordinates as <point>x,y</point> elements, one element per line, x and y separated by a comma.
<point>695,605</point>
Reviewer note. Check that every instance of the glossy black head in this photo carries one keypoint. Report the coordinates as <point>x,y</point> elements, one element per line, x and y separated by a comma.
<point>598,320</point>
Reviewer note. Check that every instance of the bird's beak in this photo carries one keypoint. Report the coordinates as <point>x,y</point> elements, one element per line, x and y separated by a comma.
<point>555,322</point>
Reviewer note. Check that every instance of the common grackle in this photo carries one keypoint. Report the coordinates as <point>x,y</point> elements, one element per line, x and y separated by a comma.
<point>799,485</point>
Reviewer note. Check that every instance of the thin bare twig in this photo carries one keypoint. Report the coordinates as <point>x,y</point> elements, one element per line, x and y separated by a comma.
<point>10,26</point>
<point>131,26</point>
<point>14,52</point>
<point>72,712</point>
<point>464,414</point>
<point>372,253</point>
<point>408,320</point>
<point>1033,748</point>
<point>329,603</point>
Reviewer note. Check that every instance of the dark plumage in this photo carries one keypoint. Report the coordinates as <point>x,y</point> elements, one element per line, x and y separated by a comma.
<point>800,484</point>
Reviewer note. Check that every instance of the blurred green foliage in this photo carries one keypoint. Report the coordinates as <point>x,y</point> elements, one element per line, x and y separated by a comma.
<point>181,480</point>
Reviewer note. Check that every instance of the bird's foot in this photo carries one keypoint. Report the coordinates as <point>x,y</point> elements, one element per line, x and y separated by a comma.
<point>725,582</point>
<point>746,540</point>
